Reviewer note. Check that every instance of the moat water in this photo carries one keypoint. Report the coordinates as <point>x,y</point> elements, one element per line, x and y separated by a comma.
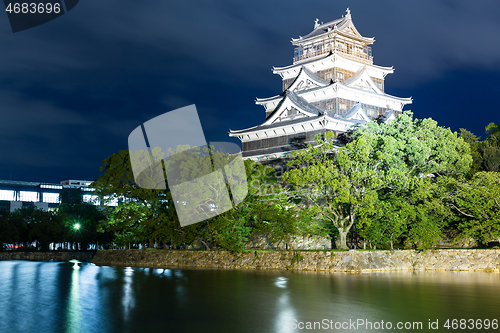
<point>81,297</point>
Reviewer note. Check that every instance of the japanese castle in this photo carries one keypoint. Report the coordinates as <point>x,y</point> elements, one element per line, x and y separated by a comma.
<point>332,85</point>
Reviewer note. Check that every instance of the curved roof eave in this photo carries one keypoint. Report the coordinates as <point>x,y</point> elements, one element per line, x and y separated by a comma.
<point>284,68</point>
<point>233,133</point>
<point>306,73</point>
<point>298,41</point>
<point>263,127</point>
<point>360,74</point>
<point>336,26</point>
<point>298,102</point>
<point>277,70</point>
<point>400,99</point>
<point>267,99</point>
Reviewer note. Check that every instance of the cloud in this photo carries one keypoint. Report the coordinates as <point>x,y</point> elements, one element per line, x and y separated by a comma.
<point>72,90</point>
<point>424,40</point>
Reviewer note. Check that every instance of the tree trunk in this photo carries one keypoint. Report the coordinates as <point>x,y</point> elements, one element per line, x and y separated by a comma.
<point>151,244</point>
<point>205,244</point>
<point>343,238</point>
<point>392,247</point>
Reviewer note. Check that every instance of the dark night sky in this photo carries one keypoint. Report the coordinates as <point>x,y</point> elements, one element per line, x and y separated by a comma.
<point>73,89</point>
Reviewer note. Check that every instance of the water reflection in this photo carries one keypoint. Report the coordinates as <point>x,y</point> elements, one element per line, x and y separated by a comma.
<point>286,312</point>
<point>128,297</point>
<point>81,297</point>
<point>73,312</point>
<point>167,273</point>
<point>281,282</point>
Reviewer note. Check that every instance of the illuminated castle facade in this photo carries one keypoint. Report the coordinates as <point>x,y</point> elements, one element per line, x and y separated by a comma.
<point>332,85</point>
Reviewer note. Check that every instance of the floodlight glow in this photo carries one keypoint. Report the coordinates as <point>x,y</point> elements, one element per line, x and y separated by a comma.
<point>76,226</point>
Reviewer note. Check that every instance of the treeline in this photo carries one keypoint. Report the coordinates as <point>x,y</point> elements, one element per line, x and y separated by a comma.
<point>72,226</point>
<point>406,183</point>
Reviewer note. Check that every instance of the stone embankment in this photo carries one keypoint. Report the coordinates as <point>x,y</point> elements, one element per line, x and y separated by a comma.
<point>330,261</point>
<point>52,255</point>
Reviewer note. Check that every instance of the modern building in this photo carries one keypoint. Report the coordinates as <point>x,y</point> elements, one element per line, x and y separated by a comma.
<point>84,183</point>
<point>17,194</point>
<point>332,85</point>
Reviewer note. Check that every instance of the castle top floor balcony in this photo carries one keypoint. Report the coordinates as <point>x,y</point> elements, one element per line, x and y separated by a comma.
<point>354,52</point>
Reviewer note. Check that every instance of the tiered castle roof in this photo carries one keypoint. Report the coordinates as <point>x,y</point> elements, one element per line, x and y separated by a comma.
<point>331,86</point>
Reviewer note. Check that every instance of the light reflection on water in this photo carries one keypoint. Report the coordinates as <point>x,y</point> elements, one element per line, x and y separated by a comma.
<point>81,297</point>
<point>128,296</point>
<point>73,314</point>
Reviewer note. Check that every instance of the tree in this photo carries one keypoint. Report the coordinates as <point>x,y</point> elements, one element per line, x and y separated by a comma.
<point>485,154</point>
<point>29,224</point>
<point>384,220</point>
<point>81,219</point>
<point>416,215</point>
<point>263,212</point>
<point>141,211</point>
<point>417,147</point>
<point>7,229</point>
<point>152,213</point>
<point>476,148</point>
<point>20,219</point>
<point>477,202</point>
<point>382,158</point>
<point>338,183</point>
<point>270,212</point>
<point>281,220</point>
<point>491,148</point>
<point>45,227</point>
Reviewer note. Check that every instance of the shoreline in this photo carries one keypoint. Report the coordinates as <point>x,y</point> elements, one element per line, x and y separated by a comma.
<point>353,261</point>
<point>51,255</point>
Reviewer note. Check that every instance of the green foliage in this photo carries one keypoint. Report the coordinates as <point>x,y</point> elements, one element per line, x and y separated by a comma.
<point>427,214</point>
<point>229,230</point>
<point>417,158</point>
<point>397,182</point>
<point>45,227</point>
<point>415,215</point>
<point>296,258</point>
<point>417,147</point>
<point>144,212</point>
<point>491,149</point>
<point>266,211</point>
<point>477,203</point>
<point>73,210</point>
<point>382,178</point>
<point>8,232</point>
<point>148,214</point>
<point>485,154</point>
<point>30,224</point>
<point>125,222</point>
<point>475,150</point>
<point>384,220</point>
<point>337,183</point>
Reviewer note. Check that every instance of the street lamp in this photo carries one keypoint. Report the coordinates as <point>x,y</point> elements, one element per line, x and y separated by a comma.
<point>76,226</point>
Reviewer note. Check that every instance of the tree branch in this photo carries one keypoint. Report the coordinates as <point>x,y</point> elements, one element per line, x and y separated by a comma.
<point>468,215</point>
